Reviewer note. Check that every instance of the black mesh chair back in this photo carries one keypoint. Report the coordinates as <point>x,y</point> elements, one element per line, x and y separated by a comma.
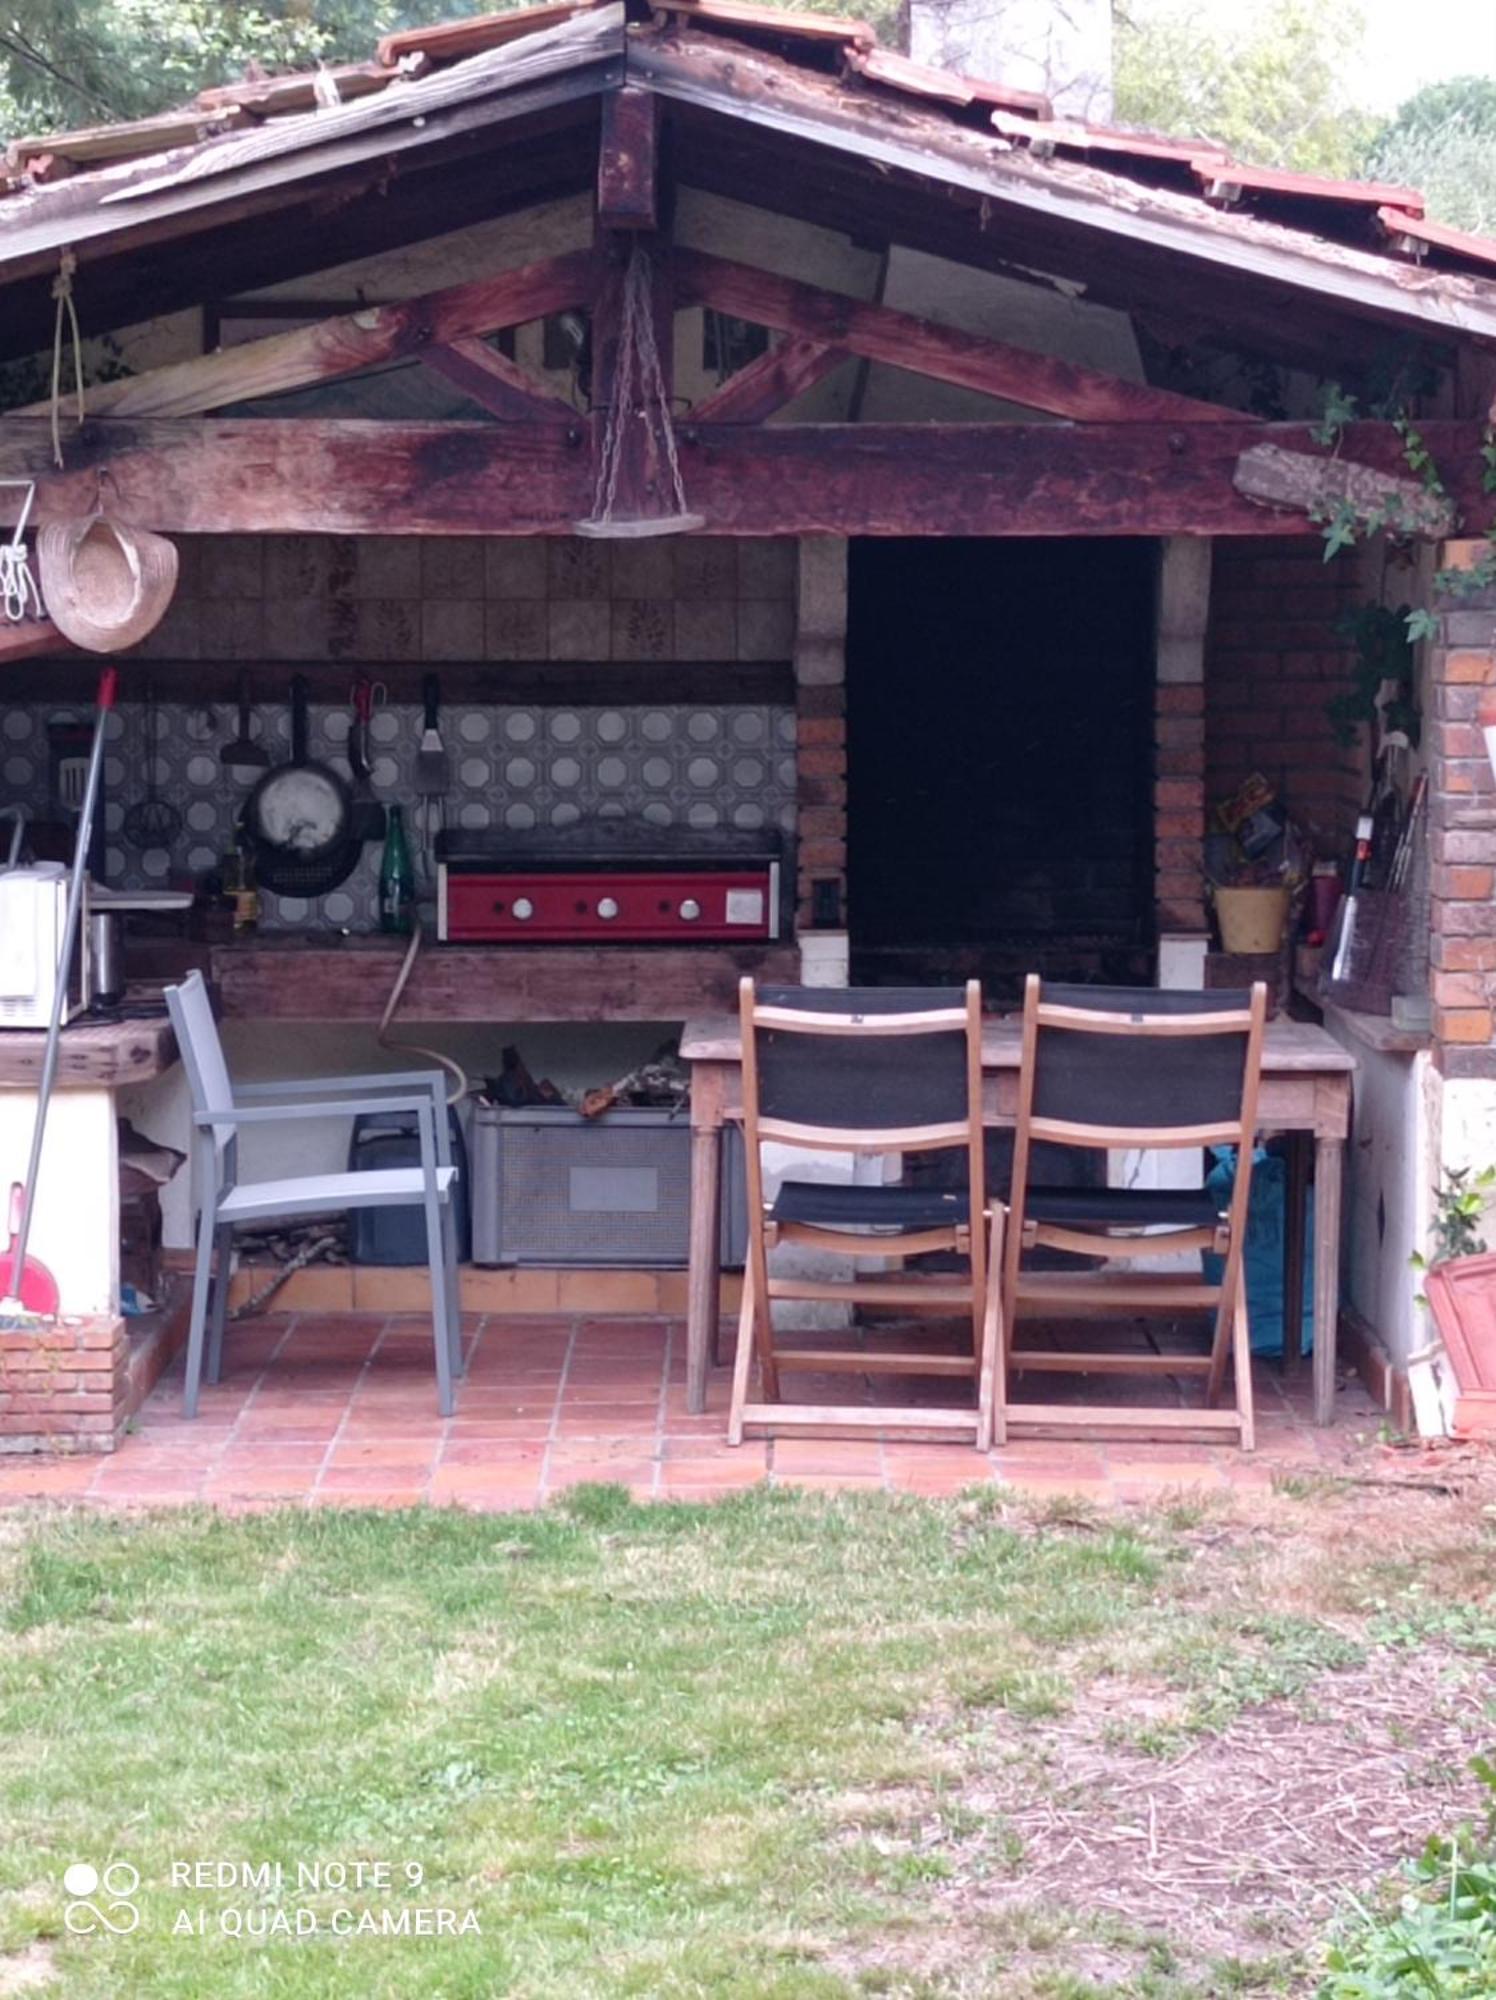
<point>830,1071</point>
<point>1159,1068</point>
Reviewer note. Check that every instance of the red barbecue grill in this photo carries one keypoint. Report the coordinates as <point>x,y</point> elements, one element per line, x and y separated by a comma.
<point>610,881</point>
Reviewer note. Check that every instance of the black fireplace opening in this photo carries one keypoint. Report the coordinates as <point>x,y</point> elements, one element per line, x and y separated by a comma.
<point>1000,760</point>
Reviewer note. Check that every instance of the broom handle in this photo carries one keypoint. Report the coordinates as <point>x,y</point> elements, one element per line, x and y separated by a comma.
<point>108,689</point>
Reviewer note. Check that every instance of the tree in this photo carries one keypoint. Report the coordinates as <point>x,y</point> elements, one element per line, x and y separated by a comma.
<point>1269,88</point>
<point>66,63</point>
<point>1443,141</point>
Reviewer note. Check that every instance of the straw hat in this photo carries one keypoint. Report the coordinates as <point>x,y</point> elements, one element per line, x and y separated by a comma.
<point>105,585</point>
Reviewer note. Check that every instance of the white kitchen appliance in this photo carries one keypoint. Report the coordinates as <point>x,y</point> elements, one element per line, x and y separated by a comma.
<point>33,916</point>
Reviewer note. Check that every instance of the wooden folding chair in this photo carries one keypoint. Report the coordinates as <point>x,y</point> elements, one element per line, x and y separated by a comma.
<point>865,1071</point>
<point>1107,1067</point>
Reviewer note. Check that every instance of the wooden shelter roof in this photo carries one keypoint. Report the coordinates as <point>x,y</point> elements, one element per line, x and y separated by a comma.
<point>756,87</point>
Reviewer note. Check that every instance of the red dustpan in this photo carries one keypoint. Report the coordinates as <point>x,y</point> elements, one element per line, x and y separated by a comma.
<point>32,1288</point>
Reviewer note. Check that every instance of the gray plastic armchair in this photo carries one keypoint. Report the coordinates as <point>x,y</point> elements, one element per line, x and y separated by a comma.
<point>221,1202</point>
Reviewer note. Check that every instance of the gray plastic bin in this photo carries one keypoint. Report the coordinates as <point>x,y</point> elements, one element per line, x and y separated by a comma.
<point>551,1187</point>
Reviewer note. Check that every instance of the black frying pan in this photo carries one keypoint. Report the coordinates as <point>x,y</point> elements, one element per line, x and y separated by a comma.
<point>299,818</point>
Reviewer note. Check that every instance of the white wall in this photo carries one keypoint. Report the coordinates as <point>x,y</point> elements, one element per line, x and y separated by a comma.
<point>75,1225</point>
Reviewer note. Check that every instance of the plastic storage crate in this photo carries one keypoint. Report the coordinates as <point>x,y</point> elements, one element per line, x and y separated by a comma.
<point>552,1187</point>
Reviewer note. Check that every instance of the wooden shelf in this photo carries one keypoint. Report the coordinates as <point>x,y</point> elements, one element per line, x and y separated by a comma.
<point>1373,1031</point>
<point>105,1055</point>
<point>349,979</point>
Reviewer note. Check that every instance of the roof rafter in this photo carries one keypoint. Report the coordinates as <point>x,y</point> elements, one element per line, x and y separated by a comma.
<point>926,347</point>
<point>347,344</point>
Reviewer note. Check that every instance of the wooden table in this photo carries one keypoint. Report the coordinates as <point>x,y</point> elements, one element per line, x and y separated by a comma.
<point>1305,1094</point>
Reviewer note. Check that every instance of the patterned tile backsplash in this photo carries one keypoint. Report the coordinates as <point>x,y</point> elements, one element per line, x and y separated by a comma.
<point>516,767</point>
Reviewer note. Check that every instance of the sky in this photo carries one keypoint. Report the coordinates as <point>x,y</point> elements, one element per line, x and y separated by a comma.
<point>1407,45</point>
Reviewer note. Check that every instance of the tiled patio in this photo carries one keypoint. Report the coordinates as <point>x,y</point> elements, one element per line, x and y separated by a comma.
<point>340,1409</point>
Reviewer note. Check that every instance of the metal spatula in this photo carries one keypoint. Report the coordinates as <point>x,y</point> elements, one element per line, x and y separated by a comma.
<point>432,777</point>
<point>244,754</point>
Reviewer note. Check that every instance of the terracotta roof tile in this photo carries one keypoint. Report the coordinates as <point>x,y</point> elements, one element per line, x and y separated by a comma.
<point>780,22</point>
<point>1418,234</point>
<point>943,85</point>
<point>450,41</point>
<point>1305,187</point>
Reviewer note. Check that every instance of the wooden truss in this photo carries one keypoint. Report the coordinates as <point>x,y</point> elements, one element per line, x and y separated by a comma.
<point>1108,456</point>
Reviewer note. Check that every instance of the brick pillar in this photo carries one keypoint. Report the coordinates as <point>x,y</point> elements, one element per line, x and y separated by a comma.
<point>1179,735</point>
<point>821,728</point>
<point>1462,829</point>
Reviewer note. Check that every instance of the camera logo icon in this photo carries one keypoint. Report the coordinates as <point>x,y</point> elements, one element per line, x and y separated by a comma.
<point>113,1910</point>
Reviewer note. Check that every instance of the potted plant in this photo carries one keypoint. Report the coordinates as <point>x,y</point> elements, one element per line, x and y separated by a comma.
<point>1460,1291</point>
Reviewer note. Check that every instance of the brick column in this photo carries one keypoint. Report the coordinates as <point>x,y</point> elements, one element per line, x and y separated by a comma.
<point>1179,735</point>
<point>1462,829</point>
<point>821,729</point>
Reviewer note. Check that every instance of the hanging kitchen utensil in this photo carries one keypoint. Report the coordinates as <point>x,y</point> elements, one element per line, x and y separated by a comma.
<point>369,819</point>
<point>152,821</point>
<point>244,754</point>
<point>299,818</point>
<point>432,778</point>
<point>638,429</point>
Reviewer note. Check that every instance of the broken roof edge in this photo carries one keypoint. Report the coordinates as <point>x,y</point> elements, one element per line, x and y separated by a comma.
<point>1452,304</point>
<point>458,62</point>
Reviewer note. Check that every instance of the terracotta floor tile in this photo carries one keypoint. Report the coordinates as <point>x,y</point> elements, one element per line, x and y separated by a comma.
<point>346,1404</point>
<point>381,1454</point>
<point>373,1479</point>
<point>828,1482</point>
<point>255,1482</point>
<point>637,1474</point>
<point>735,1470</point>
<point>484,1486</point>
<point>845,1457</point>
<point>47,1477</point>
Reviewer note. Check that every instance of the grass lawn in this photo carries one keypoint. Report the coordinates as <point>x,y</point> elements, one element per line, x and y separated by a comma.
<point>783,1745</point>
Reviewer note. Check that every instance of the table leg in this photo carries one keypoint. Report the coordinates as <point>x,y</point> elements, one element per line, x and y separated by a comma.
<point>1296,1188</point>
<point>1329,1167</point>
<point>704,1273</point>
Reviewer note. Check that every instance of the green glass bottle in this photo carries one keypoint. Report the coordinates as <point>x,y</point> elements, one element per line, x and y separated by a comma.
<point>397,881</point>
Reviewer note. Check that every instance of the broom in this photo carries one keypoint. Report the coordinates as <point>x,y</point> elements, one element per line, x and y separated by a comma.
<point>31,1292</point>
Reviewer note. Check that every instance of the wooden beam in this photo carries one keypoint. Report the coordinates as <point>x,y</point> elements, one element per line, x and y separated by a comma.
<point>1316,486</point>
<point>495,382</point>
<point>346,344</point>
<point>627,160</point>
<point>349,476</point>
<point>767,384</point>
<point>28,638</point>
<point>879,333</point>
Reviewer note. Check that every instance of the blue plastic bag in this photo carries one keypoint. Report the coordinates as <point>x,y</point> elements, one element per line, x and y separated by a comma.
<point>1267,1215</point>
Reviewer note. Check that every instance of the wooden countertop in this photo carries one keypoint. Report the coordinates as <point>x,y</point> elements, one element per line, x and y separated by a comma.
<point>101,1054</point>
<point>307,978</point>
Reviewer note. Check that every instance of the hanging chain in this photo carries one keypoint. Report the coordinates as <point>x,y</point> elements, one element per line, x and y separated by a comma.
<point>638,380</point>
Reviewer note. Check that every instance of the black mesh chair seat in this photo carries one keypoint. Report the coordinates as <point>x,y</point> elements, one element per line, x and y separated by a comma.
<point>831,1206</point>
<point>1122,1208</point>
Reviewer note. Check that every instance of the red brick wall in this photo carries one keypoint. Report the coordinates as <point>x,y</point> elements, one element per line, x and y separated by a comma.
<point>1462,835</point>
<point>1272,662</point>
<point>820,795</point>
<point>65,1387</point>
<point>1178,805</point>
